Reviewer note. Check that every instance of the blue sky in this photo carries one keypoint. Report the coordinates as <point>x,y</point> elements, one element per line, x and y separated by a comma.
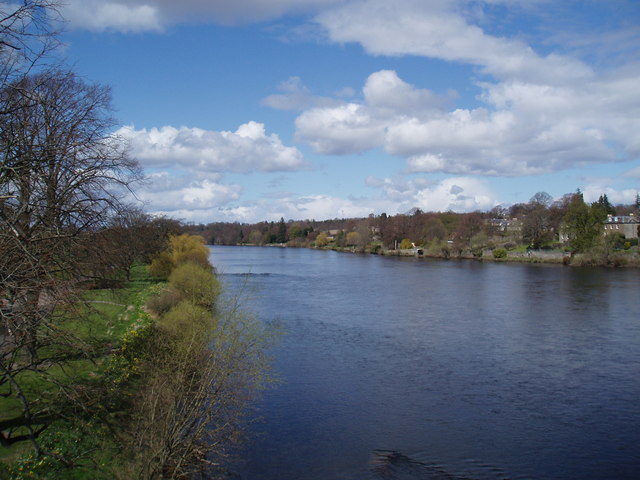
<point>252,110</point>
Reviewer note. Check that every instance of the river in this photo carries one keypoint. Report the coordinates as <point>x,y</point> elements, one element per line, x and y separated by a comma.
<point>406,368</point>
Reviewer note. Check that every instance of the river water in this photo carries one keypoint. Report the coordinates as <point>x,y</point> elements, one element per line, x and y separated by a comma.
<point>405,368</point>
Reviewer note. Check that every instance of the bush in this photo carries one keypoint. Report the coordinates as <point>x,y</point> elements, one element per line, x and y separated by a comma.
<point>322,240</point>
<point>164,301</point>
<point>405,244</point>
<point>195,283</point>
<point>182,249</point>
<point>500,253</point>
<point>187,321</point>
<point>188,249</point>
<point>162,265</point>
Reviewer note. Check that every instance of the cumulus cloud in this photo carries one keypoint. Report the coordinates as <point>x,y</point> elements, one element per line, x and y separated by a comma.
<point>164,191</point>
<point>188,165</point>
<point>541,113</point>
<point>522,128</point>
<point>247,149</point>
<point>348,128</point>
<point>460,194</point>
<point>625,196</point>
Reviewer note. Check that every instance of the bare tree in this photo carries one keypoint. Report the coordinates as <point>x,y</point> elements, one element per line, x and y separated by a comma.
<point>62,174</point>
<point>28,35</point>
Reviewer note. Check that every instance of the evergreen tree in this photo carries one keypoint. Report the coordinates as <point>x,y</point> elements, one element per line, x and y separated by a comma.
<point>583,223</point>
<point>282,231</point>
<point>604,204</point>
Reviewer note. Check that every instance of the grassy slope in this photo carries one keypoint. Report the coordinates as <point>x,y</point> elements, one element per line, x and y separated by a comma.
<point>101,323</point>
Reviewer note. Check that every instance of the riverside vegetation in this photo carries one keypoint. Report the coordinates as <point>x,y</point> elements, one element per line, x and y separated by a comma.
<point>159,388</point>
<point>108,368</point>
<point>568,230</point>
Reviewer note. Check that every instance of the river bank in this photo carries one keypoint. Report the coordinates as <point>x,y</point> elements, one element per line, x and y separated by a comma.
<point>597,258</point>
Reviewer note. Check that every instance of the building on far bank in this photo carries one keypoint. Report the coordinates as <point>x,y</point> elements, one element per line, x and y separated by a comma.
<point>628,225</point>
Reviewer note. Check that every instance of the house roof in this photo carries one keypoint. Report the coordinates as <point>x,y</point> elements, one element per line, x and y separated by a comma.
<point>622,219</point>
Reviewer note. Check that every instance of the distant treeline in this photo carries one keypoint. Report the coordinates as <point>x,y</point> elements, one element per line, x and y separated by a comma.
<point>537,223</point>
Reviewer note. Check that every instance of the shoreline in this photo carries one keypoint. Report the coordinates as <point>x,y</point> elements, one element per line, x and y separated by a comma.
<point>616,260</point>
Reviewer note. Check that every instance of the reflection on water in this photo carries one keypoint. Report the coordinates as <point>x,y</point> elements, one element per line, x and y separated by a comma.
<point>433,369</point>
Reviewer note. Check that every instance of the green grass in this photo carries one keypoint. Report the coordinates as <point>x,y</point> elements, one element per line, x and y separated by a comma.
<point>97,323</point>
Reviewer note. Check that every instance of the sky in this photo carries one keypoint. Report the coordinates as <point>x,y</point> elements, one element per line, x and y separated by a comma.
<point>253,110</point>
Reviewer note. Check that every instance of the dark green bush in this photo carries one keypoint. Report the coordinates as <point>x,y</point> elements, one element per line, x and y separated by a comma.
<point>500,253</point>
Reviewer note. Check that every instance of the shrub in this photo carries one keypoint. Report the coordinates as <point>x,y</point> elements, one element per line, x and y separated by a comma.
<point>182,249</point>
<point>500,253</point>
<point>195,283</point>
<point>187,321</point>
<point>162,265</point>
<point>164,301</point>
<point>322,240</point>
<point>405,244</point>
<point>188,249</point>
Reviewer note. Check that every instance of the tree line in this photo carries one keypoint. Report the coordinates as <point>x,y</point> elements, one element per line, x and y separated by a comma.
<point>540,223</point>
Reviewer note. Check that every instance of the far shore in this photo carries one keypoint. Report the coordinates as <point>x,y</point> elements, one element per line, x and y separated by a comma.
<point>553,257</point>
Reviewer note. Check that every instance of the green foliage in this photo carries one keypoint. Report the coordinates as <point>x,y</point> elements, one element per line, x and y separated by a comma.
<point>162,265</point>
<point>66,445</point>
<point>604,205</point>
<point>195,283</point>
<point>281,236</point>
<point>322,240</point>
<point>295,231</point>
<point>434,229</point>
<point>583,223</point>
<point>187,320</point>
<point>614,241</point>
<point>187,248</point>
<point>500,253</point>
<point>354,238</point>
<point>376,248</point>
<point>405,244</point>
<point>197,374</point>
<point>182,249</point>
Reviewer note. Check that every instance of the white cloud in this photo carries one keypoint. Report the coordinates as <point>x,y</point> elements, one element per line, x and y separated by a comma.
<point>385,90</point>
<point>295,96</point>
<point>348,128</point>
<point>542,113</point>
<point>522,129</point>
<point>437,30</point>
<point>152,15</point>
<point>592,192</point>
<point>247,149</point>
<point>126,17</point>
<point>460,194</point>
<point>187,167</point>
<point>164,192</point>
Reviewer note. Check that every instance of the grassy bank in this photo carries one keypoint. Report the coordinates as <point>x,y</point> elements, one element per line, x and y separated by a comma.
<point>76,393</point>
<point>151,380</point>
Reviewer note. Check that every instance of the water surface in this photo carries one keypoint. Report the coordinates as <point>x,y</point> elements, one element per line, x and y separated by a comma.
<point>400,368</point>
